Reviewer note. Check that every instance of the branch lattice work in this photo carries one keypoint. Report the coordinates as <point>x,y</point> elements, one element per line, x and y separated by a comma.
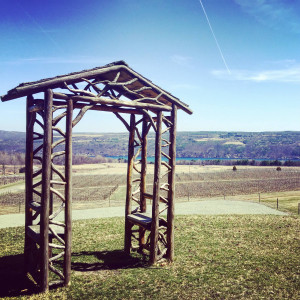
<point>112,88</point>
<point>155,231</point>
<point>50,196</point>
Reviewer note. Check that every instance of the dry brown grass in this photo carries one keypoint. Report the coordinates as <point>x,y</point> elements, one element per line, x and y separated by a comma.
<point>104,185</point>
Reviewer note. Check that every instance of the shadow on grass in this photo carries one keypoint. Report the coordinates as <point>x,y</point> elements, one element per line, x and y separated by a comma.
<point>13,281</point>
<point>87,261</point>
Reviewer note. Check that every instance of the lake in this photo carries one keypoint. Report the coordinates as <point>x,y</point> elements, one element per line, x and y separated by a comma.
<point>188,159</point>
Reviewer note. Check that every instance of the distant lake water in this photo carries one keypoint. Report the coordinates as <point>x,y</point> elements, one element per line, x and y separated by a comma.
<point>187,159</point>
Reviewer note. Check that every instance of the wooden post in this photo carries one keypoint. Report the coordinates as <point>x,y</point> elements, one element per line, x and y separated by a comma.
<point>128,226</point>
<point>51,194</point>
<point>30,118</point>
<point>143,205</point>
<point>277,203</point>
<point>171,180</point>
<point>46,177</point>
<point>156,190</point>
<point>298,208</point>
<point>68,194</point>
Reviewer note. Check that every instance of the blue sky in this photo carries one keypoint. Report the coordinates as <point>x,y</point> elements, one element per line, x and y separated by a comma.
<point>255,86</point>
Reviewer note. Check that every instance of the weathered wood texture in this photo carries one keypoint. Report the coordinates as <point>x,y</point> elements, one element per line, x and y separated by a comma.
<point>68,194</point>
<point>118,75</point>
<point>119,103</point>
<point>143,203</point>
<point>113,88</point>
<point>97,107</point>
<point>171,181</point>
<point>128,205</point>
<point>46,177</point>
<point>156,190</point>
<point>30,118</point>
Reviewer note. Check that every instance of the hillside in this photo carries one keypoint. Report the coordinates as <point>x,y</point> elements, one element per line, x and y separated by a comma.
<point>204,144</point>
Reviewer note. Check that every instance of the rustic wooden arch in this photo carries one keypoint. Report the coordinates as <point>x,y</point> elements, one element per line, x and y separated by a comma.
<point>113,88</point>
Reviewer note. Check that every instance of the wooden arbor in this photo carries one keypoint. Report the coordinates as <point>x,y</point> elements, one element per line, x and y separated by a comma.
<point>51,102</point>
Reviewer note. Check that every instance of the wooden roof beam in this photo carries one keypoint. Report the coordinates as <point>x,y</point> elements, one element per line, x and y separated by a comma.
<point>73,78</point>
<point>118,103</point>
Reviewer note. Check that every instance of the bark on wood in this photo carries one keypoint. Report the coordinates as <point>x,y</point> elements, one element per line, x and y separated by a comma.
<point>122,120</point>
<point>81,113</point>
<point>58,118</point>
<point>128,226</point>
<point>143,203</point>
<point>57,82</point>
<point>57,193</point>
<point>30,118</point>
<point>108,99</point>
<point>144,166</point>
<point>68,194</point>
<point>98,107</point>
<point>150,119</point>
<point>46,177</point>
<point>78,91</point>
<point>171,181</point>
<point>56,271</point>
<point>118,103</point>
<point>156,189</point>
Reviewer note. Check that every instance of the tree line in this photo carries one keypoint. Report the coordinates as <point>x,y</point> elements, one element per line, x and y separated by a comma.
<point>242,162</point>
<point>14,162</point>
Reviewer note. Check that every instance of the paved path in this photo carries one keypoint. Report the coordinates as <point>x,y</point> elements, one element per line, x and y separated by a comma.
<point>209,207</point>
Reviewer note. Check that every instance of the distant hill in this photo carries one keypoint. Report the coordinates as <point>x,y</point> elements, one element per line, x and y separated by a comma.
<point>252,145</point>
<point>12,141</point>
<point>204,144</point>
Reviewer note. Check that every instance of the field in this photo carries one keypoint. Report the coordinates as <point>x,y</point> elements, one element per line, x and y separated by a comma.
<point>216,257</point>
<point>105,185</point>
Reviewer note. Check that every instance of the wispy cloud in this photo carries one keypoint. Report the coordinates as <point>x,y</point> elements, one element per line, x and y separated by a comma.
<point>291,74</point>
<point>57,60</point>
<point>277,14</point>
<point>283,63</point>
<point>183,61</point>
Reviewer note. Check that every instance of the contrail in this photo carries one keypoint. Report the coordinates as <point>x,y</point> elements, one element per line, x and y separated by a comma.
<point>215,38</point>
<point>40,28</point>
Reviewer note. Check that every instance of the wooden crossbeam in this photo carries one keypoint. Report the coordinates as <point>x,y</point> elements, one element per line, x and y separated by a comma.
<point>58,118</point>
<point>97,107</point>
<point>57,193</point>
<point>117,102</point>
<point>58,142</point>
<point>57,129</point>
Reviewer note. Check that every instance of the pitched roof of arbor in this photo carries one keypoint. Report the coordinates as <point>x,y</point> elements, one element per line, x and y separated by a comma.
<point>118,75</point>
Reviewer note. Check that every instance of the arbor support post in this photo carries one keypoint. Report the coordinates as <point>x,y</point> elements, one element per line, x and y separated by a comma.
<point>128,226</point>
<point>68,194</point>
<point>46,177</point>
<point>156,190</point>
<point>143,205</point>
<point>171,181</point>
<point>30,119</point>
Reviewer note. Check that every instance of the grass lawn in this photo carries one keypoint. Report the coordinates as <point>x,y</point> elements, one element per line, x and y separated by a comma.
<point>222,257</point>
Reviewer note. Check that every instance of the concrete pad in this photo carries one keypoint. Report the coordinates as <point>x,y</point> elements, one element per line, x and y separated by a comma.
<point>208,207</point>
